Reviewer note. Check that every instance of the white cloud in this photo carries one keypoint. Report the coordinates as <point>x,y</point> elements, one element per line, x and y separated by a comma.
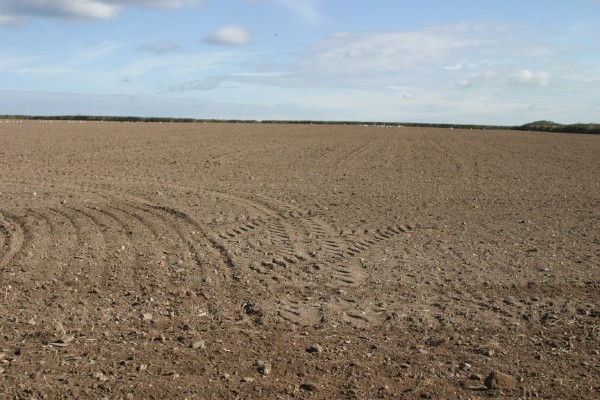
<point>85,9</point>
<point>475,79</point>
<point>6,19</point>
<point>417,59</point>
<point>464,83</point>
<point>16,11</point>
<point>230,35</point>
<point>460,67</point>
<point>169,4</point>
<point>529,78</point>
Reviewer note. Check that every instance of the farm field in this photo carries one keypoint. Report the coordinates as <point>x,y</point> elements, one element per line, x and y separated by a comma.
<point>198,261</point>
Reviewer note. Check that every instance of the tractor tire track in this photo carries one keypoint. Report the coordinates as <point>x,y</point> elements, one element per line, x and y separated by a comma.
<point>12,236</point>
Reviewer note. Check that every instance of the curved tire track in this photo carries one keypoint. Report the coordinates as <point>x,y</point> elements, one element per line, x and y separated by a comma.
<point>12,236</point>
<point>278,243</point>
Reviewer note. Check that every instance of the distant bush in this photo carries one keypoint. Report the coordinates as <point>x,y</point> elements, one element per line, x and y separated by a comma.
<point>549,126</point>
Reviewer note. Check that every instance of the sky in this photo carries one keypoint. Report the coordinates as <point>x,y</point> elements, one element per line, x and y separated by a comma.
<point>503,62</point>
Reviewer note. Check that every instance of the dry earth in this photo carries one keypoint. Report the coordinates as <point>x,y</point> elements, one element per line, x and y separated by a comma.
<point>284,261</point>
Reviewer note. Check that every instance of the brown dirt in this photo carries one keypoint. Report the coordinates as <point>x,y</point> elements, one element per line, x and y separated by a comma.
<point>282,261</point>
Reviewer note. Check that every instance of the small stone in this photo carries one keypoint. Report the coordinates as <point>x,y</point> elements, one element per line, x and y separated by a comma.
<point>264,368</point>
<point>317,348</point>
<point>67,338</point>
<point>465,366</point>
<point>489,352</point>
<point>63,341</point>
<point>248,379</point>
<point>405,365</point>
<point>498,380</point>
<point>100,376</point>
<point>200,344</point>
<point>142,368</point>
<point>146,317</point>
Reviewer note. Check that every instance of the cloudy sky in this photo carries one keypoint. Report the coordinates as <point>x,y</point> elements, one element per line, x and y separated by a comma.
<point>461,61</point>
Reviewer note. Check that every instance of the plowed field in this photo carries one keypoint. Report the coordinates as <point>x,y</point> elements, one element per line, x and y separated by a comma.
<point>296,261</point>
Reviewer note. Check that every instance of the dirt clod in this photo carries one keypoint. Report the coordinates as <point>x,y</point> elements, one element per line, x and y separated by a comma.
<point>317,348</point>
<point>308,387</point>
<point>498,380</point>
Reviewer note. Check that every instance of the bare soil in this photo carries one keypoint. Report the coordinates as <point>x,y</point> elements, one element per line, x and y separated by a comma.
<point>199,261</point>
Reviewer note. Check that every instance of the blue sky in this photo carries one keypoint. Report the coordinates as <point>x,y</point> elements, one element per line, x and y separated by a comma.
<point>462,61</point>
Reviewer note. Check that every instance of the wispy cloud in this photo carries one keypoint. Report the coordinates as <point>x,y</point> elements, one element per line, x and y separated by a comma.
<point>61,103</point>
<point>230,36</point>
<point>379,52</point>
<point>95,51</point>
<point>459,72</point>
<point>161,47</point>
<point>431,57</point>
<point>307,10</point>
<point>204,83</point>
<point>464,72</point>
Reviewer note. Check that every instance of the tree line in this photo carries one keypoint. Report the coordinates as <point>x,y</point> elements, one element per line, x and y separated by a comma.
<point>543,126</point>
